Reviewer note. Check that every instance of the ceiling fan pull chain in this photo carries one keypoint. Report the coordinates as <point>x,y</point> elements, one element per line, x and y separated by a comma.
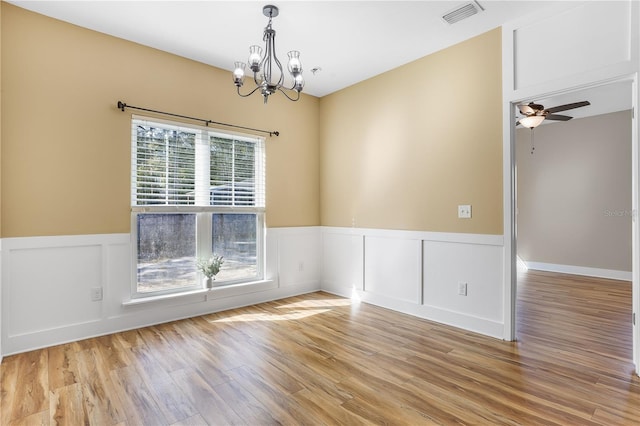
<point>532,146</point>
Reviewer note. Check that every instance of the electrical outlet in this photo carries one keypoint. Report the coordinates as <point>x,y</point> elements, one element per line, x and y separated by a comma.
<point>464,211</point>
<point>96,294</point>
<point>462,288</point>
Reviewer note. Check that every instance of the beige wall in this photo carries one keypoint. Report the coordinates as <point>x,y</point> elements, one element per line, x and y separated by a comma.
<point>398,151</point>
<point>574,193</point>
<point>403,149</point>
<point>66,147</point>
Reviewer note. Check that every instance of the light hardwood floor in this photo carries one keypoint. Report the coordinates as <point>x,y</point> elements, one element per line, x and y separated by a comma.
<point>319,359</point>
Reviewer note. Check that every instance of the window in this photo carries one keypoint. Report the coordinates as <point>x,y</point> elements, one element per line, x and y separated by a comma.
<point>195,192</point>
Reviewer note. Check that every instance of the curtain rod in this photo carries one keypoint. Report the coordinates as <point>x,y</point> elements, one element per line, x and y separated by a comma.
<point>122,106</point>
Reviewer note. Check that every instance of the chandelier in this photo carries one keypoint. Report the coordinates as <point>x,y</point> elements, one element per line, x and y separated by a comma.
<point>268,74</point>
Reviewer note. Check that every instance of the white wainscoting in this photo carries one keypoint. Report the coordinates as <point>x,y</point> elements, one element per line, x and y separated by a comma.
<point>418,273</point>
<point>47,282</point>
<point>1,353</point>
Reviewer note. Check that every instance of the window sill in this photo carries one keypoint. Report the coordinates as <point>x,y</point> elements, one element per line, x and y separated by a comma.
<point>213,293</point>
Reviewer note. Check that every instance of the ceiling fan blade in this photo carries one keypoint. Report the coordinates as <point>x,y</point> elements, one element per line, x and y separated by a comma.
<point>567,107</point>
<point>558,117</point>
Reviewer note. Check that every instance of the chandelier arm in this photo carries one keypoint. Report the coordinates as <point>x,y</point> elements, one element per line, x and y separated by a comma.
<point>277,61</point>
<point>265,65</point>
<point>248,94</point>
<point>292,88</point>
<point>281,90</point>
<point>255,80</point>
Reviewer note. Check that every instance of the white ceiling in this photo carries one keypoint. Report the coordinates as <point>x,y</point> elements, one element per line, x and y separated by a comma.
<point>350,40</point>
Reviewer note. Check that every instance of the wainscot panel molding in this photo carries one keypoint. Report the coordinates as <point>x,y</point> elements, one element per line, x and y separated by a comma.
<point>47,282</point>
<point>580,270</point>
<point>582,49</point>
<point>602,45</point>
<point>418,273</point>
<point>1,301</point>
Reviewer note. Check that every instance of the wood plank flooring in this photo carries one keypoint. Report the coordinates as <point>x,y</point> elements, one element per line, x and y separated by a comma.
<point>319,359</point>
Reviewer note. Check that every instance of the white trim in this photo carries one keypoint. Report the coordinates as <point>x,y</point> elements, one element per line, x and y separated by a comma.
<point>187,125</point>
<point>217,292</point>
<point>1,315</point>
<point>447,237</point>
<point>14,243</point>
<point>450,258</point>
<point>635,227</point>
<point>580,270</point>
<point>512,93</point>
<point>460,320</point>
<point>59,318</point>
<point>521,264</point>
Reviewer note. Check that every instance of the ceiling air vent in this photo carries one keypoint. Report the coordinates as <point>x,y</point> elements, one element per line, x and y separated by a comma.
<point>462,12</point>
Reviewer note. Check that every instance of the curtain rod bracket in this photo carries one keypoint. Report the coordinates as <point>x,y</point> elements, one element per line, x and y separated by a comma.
<point>122,106</point>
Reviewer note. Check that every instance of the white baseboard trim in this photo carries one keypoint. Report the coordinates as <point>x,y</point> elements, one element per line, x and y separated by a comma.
<point>75,332</point>
<point>580,270</point>
<point>430,313</point>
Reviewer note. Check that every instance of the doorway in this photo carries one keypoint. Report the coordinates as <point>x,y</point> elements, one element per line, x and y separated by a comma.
<point>606,98</point>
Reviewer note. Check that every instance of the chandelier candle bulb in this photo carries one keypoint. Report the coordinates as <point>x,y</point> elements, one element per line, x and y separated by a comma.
<point>238,73</point>
<point>295,66</point>
<point>255,55</point>
<point>299,83</point>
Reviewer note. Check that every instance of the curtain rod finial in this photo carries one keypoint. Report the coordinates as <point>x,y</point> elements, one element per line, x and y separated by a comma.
<point>121,106</point>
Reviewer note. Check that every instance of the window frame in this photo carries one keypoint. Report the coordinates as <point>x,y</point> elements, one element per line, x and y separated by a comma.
<point>203,213</point>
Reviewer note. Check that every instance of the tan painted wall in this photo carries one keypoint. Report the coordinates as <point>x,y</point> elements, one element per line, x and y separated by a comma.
<point>66,147</point>
<point>403,149</point>
<point>574,193</point>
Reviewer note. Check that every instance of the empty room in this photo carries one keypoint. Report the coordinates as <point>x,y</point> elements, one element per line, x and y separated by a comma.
<point>419,212</point>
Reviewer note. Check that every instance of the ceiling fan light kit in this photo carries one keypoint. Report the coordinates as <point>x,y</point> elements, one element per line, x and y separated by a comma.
<point>268,74</point>
<point>532,121</point>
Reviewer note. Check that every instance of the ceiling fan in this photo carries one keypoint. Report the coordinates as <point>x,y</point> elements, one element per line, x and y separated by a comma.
<point>535,114</point>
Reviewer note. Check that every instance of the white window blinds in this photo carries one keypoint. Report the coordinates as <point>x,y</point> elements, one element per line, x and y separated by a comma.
<point>182,166</point>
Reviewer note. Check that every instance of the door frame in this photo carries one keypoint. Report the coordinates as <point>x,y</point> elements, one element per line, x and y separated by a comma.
<point>510,194</point>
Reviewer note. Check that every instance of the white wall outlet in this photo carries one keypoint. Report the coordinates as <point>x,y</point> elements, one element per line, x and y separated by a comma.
<point>464,211</point>
<point>462,288</point>
<point>96,294</point>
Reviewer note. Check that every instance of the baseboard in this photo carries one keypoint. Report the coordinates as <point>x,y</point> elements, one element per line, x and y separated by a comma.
<point>430,313</point>
<point>580,270</point>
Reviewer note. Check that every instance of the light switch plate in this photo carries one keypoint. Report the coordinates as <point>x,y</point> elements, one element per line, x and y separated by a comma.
<point>464,211</point>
